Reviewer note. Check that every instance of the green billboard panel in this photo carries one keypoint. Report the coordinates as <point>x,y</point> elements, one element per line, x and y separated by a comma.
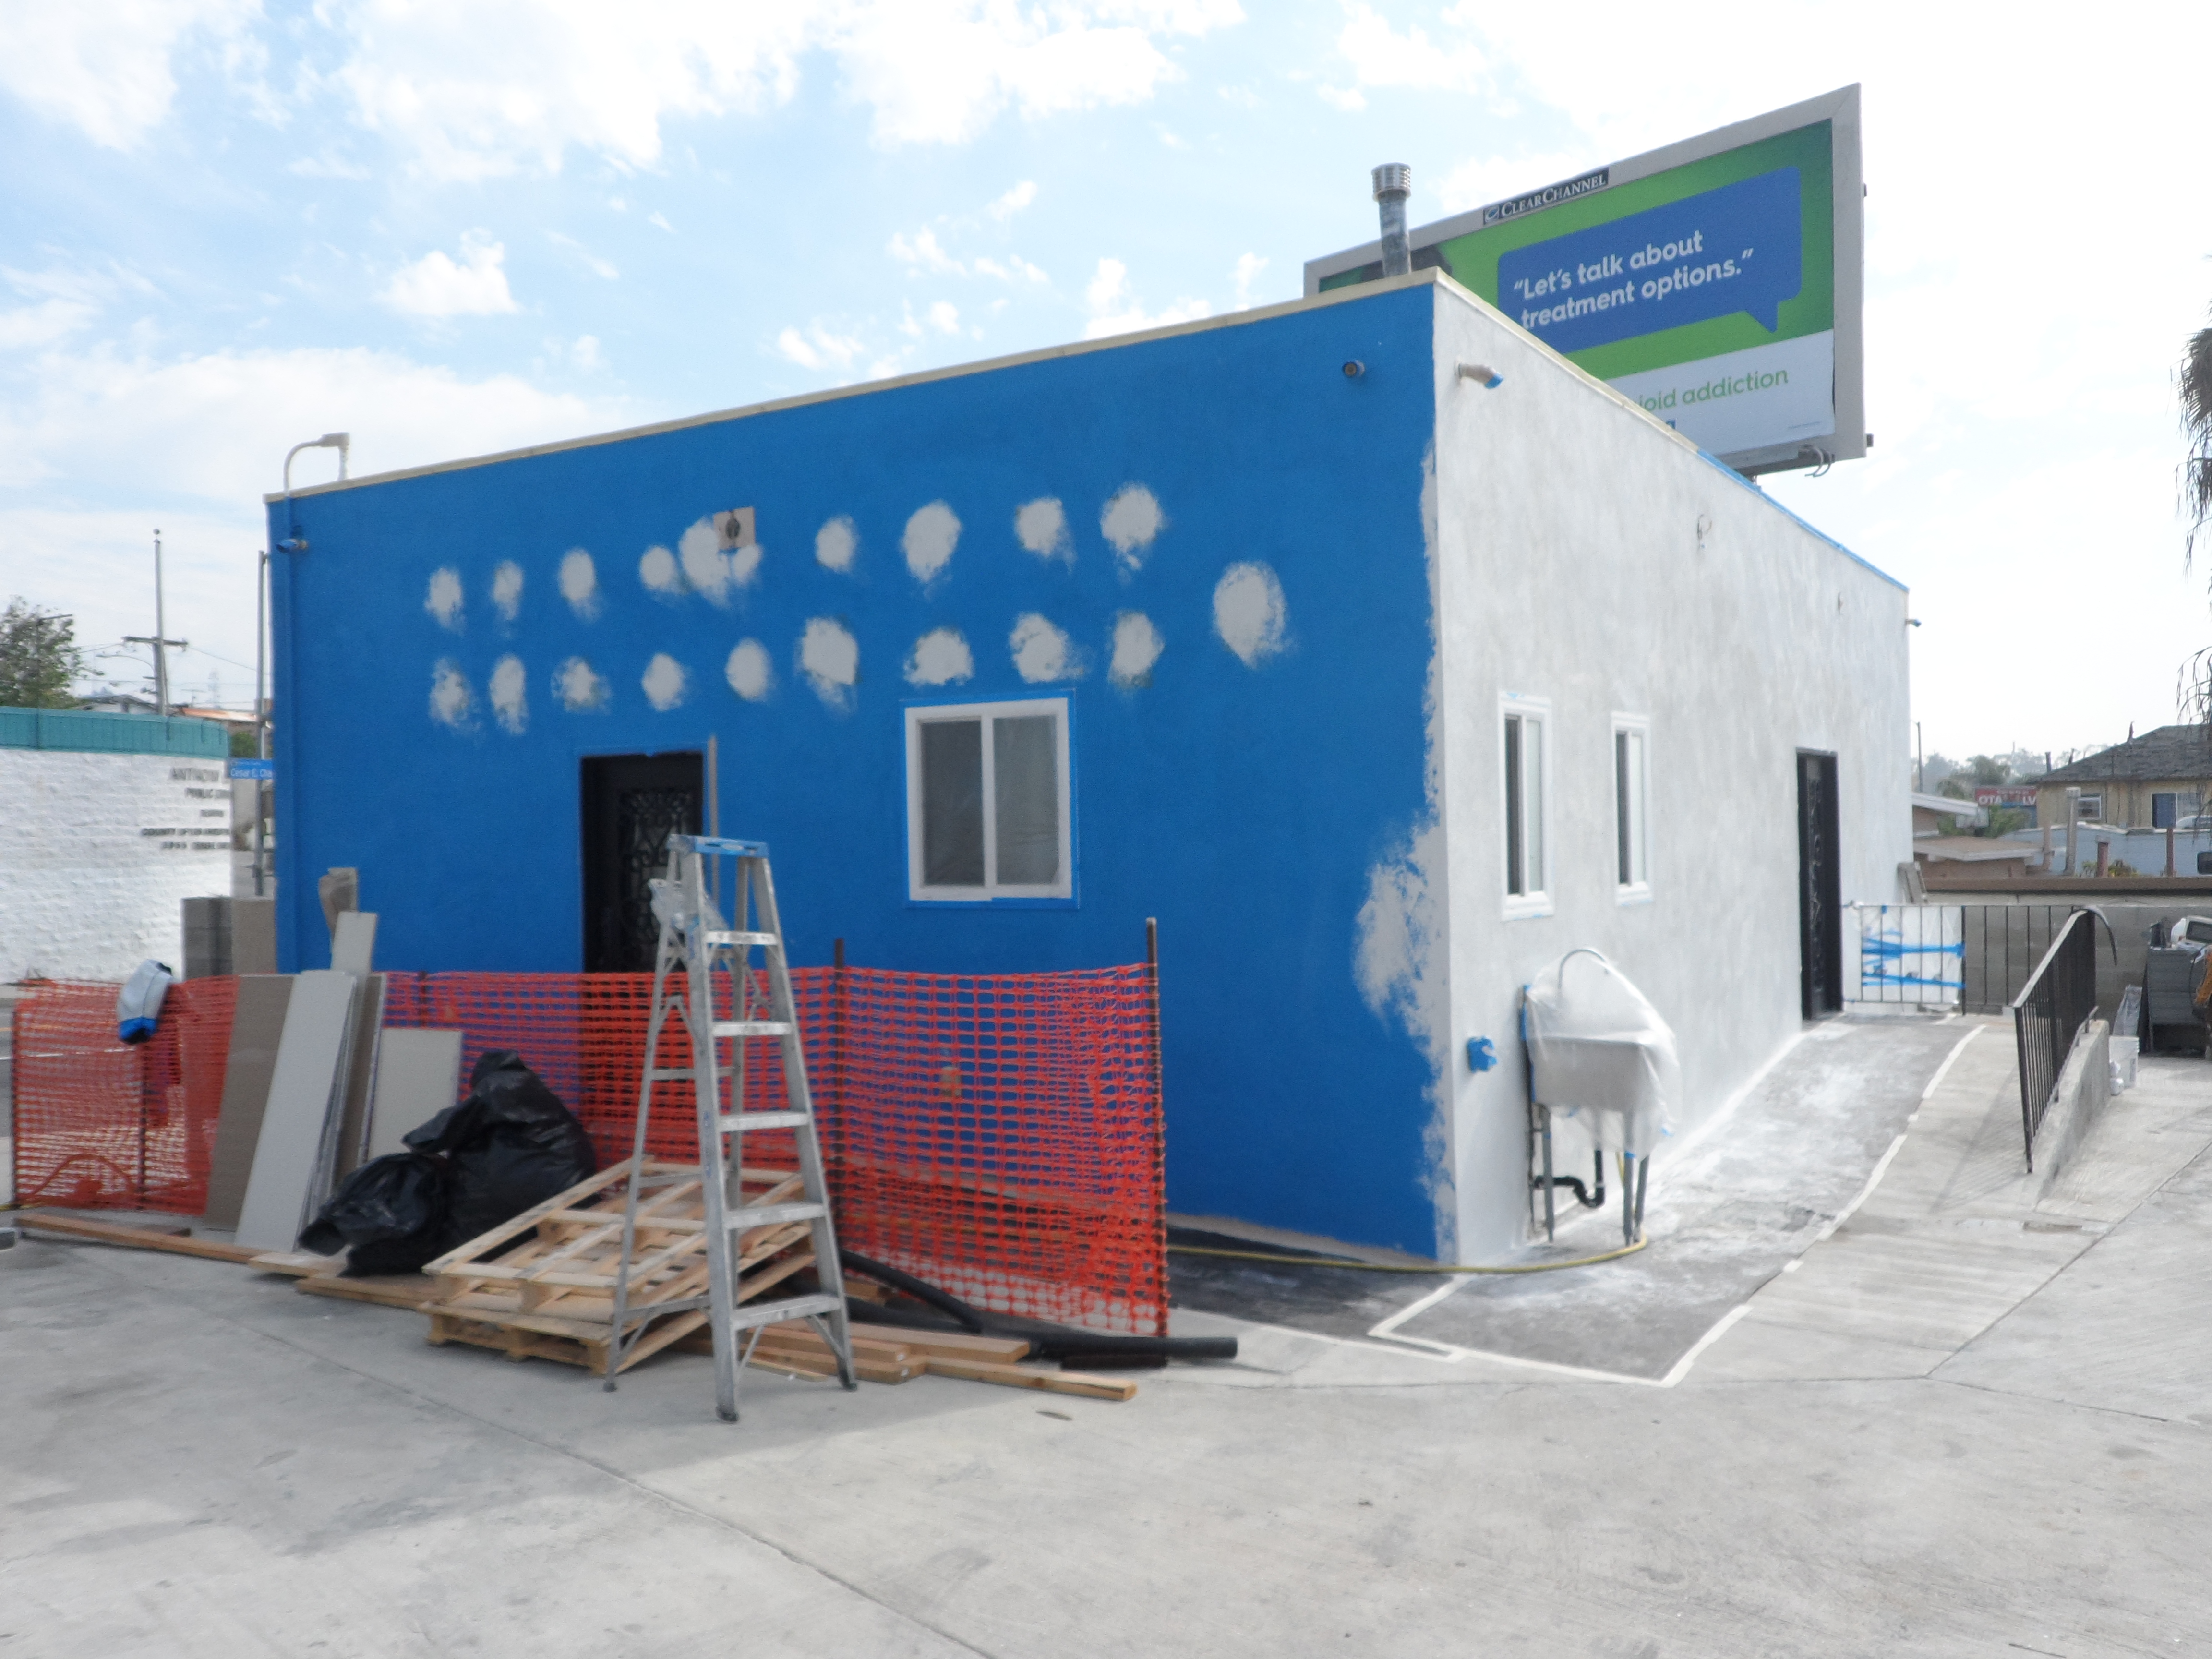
<point>1717,281</point>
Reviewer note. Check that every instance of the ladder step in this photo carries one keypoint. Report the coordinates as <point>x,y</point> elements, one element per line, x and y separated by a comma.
<point>772,1215</point>
<point>746,1315</point>
<point>669,1074</point>
<point>731,938</point>
<point>732,1122</point>
<point>752,1028</point>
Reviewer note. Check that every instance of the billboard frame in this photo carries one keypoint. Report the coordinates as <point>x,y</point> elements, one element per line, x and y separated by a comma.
<point>1840,109</point>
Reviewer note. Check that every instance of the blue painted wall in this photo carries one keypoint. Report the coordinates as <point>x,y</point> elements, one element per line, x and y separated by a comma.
<point>1243,806</point>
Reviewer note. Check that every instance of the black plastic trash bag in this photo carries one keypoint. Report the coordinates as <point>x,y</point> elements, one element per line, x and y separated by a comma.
<point>389,1215</point>
<point>510,1146</point>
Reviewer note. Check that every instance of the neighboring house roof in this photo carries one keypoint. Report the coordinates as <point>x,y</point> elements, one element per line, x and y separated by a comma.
<point>1970,849</point>
<point>2170,752</point>
<point>1950,805</point>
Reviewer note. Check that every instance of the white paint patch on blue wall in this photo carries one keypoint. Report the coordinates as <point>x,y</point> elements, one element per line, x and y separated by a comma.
<point>1137,646</point>
<point>451,696</point>
<point>510,701</point>
<point>1043,653</point>
<point>750,673</point>
<point>579,687</point>
<point>443,600</point>
<point>1250,612</point>
<point>1401,963</point>
<point>507,590</point>
<point>658,570</point>
<point>580,584</point>
<point>931,535</point>
<point>835,543</point>
<point>1041,527</point>
<point>940,657</point>
<point>664,681</point>
<point>829,661</point>
<point>1131,523</point>
<point>710,570</point>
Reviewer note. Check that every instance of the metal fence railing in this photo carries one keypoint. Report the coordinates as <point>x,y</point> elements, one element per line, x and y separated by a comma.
<point>1973,958</point>
<point>2048,1012</point>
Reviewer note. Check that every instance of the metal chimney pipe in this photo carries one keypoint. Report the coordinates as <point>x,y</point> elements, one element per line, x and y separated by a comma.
<point>1393,183</point>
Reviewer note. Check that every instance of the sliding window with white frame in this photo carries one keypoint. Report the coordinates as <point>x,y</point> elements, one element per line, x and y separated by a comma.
<point>1526,723</point>
<point>988,803</point>
<point>1631,817</point>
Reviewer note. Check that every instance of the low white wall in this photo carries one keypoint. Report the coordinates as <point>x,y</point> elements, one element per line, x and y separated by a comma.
<point>97,852</point>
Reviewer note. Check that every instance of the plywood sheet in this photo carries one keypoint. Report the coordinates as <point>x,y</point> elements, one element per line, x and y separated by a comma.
<point>361,1078</point>
<point>255,1028</point>
<point>418,1075</point>
<point>303,1090</point>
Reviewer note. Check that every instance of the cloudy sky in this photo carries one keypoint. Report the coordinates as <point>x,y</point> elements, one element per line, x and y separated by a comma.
<point>457,226</point>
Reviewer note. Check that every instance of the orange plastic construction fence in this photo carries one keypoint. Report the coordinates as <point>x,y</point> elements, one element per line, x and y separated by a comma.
<point>999,1135</point>
<point>103,1125</point>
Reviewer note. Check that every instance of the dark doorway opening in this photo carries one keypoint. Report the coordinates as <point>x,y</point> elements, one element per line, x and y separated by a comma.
<point>632,805</point>
<point>1820,887</point>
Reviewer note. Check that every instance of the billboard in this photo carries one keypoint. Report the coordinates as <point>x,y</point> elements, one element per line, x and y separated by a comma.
<point>1716,281</point>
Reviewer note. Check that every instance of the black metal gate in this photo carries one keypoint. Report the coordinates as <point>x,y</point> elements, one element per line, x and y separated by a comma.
<point>632,805</point>
<point>1820,887</point>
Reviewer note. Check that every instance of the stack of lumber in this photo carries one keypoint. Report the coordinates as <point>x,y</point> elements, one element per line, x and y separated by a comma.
<point>551,1297</point>
<point>542,1285</point>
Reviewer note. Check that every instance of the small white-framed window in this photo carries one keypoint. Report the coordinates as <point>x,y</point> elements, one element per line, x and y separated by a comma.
<point>988,802</point>
<point>1526,724</point>
<point>1631,796</point>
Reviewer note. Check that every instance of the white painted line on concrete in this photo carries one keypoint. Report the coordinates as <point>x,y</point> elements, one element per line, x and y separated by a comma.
<point>1957,1049</point>
<point>1421,1305</point>
<point>1720,1329</point>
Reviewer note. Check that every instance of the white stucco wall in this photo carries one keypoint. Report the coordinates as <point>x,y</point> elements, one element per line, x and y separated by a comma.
<point>1570,565</point>
<point>96,853</point>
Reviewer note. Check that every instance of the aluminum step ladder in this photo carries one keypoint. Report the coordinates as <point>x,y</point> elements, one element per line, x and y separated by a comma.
<point>699,949</point>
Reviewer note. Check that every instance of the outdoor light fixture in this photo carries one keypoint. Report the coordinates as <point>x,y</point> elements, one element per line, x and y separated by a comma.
<point>1354,370</point>
<point>1483,374</point>
<point>340,441</point>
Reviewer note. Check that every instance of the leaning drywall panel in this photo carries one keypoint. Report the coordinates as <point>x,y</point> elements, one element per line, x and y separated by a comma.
<point>256,1028</point>
<point>1592,559</point>
<point>418,1075</point>
<point>302,1095</point>
<point>98,853</point>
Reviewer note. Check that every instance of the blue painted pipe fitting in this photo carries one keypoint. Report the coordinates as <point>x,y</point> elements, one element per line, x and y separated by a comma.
<point>1480,1056</point>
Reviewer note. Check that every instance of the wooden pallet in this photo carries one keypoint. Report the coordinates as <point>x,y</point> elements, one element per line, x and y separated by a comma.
<point>542,1285</point>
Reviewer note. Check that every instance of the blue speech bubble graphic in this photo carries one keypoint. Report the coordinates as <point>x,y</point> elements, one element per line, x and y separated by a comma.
<point>1740,247</point>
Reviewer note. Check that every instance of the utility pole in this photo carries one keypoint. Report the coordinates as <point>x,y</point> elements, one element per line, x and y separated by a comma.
<point>160,640</point>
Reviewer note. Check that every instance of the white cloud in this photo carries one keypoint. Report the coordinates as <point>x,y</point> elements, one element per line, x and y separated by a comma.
<point>944,317</point>
<point>600,268</point>
<point>106,67</point>
<point>1014,200</point>
<point>1115,308</point>
<point>1015,268</point>
<point>1382,56</point>
<point>504,87</point>
<point>817,347</point>
<point>43,323</point>
<point>921,250</point>
<point>435,286</point>
<point>1248,267</point>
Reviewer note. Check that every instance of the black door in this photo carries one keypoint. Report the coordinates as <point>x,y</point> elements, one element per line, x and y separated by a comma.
<point>1820,887</point>
<point>632,805</point>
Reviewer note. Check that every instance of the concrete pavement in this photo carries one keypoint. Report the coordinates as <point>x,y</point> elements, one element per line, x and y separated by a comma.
<point>1972,1420</point>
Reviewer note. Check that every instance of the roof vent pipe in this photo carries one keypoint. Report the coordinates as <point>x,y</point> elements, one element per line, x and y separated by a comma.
<point>1393,183</point>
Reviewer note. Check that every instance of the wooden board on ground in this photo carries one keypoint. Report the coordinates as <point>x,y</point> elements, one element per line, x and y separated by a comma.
<point>138,1238</point>
<point>302,1092</point>
<point>418,1075</point>
<point>256,1025</point>
<point>1025,1376</point>
<point>295,1264</point>
<point>407,1291</point>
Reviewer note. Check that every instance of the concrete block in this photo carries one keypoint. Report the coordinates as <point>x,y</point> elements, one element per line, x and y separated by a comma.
<point>254,936</point>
